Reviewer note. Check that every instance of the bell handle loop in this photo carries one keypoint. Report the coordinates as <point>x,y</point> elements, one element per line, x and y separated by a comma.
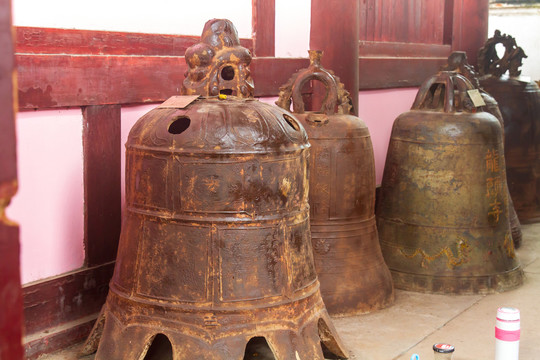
<point>336,95</point>
<point>452,81</point>
<point>313,73</point>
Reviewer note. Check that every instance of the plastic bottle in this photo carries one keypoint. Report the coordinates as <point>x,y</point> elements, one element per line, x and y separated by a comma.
<point>443,351</point>
<point>507,333</point>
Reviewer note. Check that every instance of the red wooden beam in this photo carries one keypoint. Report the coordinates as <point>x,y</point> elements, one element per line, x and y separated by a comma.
<point>264,27</point>
<point>49,81</point>
<point>470,26</point>
<point>403,50</point>
<point>10,286</point>
<point>395,72</point>
<point>102,215</point>
<point>392,65</point>
<point>270,73</point>
<point>65,298</point>
<point>335,30</point>
<point>34,40</point>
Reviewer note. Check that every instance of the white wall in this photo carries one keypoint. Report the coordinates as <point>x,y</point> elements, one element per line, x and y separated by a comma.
<point>524,26</point>
<point>156,16</point>
<point>293,24</point>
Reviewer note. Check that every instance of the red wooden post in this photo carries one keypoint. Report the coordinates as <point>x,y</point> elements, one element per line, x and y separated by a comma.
<point>470,26</point>
<point>101,144</point>
<point>10,282</point>
<point>335,29</point>
<point>264,26</point>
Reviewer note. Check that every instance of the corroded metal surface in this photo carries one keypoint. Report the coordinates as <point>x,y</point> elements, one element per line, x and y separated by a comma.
<point>457,61</point>
<point>519,101</point>
<point>215,251</point>
<point>348,258</point>
<point>218,63</point>
<point>215,246</point>
<point>443,211</point>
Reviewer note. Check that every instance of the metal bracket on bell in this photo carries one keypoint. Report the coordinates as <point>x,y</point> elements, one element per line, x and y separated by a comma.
<point>218,64</point>
<point>336,95</point>
<point>451,83</point>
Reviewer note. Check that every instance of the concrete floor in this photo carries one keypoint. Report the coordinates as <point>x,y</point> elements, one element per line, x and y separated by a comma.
<point>416,321</point>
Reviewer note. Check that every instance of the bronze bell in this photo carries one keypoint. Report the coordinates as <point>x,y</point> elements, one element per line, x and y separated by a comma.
<point>443,209</point>
<point>348,258</point>
<point>457,61</point>
<point>215,249</point>
<point>519,101</point>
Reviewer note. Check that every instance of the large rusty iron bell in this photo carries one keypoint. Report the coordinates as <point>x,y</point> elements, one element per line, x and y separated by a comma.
<point>519,101</point>
<point>215,249</point>
<point>443,211</point>
<point>348,258</point>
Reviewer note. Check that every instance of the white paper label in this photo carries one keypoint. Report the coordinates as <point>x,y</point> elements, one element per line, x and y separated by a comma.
<point>476,97</point>
<point>178,102</point>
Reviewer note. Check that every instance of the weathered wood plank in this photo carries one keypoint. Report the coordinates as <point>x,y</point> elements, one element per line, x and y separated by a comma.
<point>101,157</point>
<point>11,322</point>
<point>270,73</point>
<point>34,40</point>
<point>470,26</point>
<point>403,50</point>
<point>49,81</point>
<point>326,34</point>
<point>264,27</point>
<point>394,72</point>
<point>411,21</point>
<point>65,298</point>
<point>57,338</point>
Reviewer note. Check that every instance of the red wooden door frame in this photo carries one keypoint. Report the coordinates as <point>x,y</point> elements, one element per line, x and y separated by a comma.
<point>10,283</point>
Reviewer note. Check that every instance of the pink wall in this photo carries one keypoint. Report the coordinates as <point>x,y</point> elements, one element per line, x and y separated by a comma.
<point>379,109</point>
<point>49,203</point>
